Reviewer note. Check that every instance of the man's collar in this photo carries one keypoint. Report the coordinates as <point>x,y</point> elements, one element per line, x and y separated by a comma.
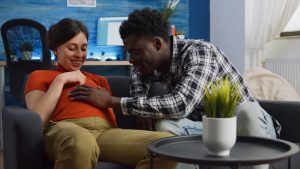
<point>173,48</point>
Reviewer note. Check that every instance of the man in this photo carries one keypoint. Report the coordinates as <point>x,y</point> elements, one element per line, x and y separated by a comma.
<point>185,68</point>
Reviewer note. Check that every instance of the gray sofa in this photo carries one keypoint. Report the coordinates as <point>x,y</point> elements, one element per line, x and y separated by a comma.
<point>22,130</point>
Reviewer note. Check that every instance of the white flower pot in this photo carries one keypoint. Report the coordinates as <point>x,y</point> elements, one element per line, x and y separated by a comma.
<point>219,135</point>
<point>180,36</point>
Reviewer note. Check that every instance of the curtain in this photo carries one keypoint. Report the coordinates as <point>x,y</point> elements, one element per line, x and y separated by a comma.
<point>269,17</point>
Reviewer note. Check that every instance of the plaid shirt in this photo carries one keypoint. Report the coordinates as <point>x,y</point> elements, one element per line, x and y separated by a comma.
<point>195,64</point>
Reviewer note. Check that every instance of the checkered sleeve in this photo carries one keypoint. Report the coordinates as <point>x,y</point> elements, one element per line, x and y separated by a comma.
<point>139,86</point>
<point>198,69</point>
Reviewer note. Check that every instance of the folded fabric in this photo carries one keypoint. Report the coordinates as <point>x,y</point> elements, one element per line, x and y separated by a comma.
<point>266,85</point>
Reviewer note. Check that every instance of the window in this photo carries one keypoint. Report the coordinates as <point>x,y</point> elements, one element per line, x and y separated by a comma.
<point>293,26</point>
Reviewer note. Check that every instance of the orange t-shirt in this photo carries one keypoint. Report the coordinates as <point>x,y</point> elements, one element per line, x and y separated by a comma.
<point>66,108</point>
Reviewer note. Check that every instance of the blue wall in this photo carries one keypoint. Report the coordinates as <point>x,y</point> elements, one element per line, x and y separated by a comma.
<point>191,16</point>
<point>49,12</point>
<point>199,22</point>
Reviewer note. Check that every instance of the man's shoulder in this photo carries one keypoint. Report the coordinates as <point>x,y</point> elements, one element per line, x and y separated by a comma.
<point>201,42</point>
<point>194,44</point>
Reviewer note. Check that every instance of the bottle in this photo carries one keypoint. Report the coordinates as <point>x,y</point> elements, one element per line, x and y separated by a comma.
<point>173,31</point>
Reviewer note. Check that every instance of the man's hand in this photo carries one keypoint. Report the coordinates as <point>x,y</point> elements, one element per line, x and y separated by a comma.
<point>98,97</point>
<point>145,123</point>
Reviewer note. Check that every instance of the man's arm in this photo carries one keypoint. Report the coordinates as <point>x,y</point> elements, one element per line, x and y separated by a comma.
<point>139,86</point>
<point>177,104</point>
<point>199,70</point>
<point>99,97</point>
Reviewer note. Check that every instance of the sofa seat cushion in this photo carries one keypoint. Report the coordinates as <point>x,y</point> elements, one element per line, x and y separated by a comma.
<point>111,165</point>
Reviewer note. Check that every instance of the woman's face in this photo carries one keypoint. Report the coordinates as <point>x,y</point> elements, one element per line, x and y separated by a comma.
<point>72,54</point>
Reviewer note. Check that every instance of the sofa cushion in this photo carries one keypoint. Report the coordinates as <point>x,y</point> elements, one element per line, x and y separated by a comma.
<point>288,114</point>
<point>111,165</point>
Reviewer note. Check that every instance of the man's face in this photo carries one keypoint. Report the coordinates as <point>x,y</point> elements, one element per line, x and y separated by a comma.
<point>144,54</point>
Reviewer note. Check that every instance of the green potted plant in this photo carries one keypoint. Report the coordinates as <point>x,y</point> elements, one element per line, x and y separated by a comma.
<point>26,49</point>
<point>169,8</point>
<point>13,56</point>
<point>221,99</point>
<point>180,34</point>
<point>219,121</point>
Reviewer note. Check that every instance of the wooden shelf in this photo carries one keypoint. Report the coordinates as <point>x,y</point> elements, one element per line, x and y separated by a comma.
<point>93,63</point>
<point>107,63</point>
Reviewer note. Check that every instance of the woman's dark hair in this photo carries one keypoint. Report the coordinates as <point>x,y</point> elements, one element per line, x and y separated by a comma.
<point>63,31</point>
<point>145,22</point>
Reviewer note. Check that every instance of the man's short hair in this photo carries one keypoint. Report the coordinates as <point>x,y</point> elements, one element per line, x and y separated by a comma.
<point>143,23</point>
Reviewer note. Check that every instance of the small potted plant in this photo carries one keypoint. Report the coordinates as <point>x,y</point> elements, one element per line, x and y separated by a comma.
<point>219,121</point>
<point>180,34</point>
<point>13,56</point>
<point>26,49</point>
<point>169,8</point>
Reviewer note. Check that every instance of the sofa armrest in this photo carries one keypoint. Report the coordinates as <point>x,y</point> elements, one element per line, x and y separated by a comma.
<point>287,113</point>
<point>22,139</point>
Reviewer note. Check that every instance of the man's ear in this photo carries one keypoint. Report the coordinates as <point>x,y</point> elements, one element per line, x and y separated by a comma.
<point>157,42</point>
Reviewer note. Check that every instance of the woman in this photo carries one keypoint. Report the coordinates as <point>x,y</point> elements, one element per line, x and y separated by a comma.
<point>77,134</point>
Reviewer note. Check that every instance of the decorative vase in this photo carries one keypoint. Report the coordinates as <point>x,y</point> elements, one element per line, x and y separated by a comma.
<point>180,36</point>
<point>13,58</point>
<point>219,135</point>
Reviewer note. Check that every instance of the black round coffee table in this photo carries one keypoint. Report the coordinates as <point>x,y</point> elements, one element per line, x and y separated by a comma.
<point>246,151</point>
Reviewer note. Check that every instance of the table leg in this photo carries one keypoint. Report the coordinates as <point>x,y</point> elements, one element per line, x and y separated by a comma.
<point>2,103</point>
<point>2,83</point>
<point>237,166</point>
<point>289,163</point>
<point>151,161</point>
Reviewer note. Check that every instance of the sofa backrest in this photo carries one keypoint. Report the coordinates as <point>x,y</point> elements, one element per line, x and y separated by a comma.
<point>287,113</point>
<point>119,86</point>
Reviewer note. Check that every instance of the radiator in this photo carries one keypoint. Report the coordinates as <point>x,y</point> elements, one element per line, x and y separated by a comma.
<point>288,68</point>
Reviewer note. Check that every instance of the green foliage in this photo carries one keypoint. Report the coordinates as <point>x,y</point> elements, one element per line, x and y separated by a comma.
<point>167,12</point>
<point>169,9</point>
<point>12,52</point>
<point>26,46</point>
<point>221,99</point>
<point>179,33</point>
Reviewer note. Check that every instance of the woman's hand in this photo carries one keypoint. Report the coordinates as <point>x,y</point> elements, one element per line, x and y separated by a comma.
<point>44,103</point>
<point>72,77</point>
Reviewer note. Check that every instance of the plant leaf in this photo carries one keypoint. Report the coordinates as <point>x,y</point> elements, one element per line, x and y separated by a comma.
<point>221,99</point>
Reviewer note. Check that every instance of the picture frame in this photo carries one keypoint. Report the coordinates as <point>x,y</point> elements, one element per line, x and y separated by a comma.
<point>81,3</point>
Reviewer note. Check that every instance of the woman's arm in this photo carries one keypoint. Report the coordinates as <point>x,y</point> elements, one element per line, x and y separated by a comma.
<point>44,103</point>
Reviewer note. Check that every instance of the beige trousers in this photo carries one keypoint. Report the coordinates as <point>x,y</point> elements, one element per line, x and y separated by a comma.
<point>80,143</point>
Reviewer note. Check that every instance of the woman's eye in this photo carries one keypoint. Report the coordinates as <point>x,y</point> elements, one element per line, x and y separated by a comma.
<point>72,48</point>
